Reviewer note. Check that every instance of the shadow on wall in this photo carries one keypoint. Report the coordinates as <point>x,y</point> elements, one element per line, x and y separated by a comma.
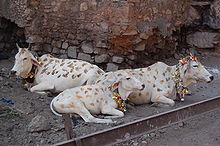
<point>10,34</point>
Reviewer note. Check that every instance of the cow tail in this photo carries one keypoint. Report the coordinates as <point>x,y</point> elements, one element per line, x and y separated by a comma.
<point>52,108</point>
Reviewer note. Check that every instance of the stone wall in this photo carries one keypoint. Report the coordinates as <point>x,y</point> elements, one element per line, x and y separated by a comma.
<point>113,33</point>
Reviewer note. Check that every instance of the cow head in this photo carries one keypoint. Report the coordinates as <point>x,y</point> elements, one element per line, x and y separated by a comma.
<point>192,71</point>
<point>24,61</point>
<point>125,84</point>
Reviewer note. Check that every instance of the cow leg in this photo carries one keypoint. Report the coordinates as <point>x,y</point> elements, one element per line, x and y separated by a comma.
<point>163,99</point>
<point>112,111</point>
<point>40,88</point>
<point>87,117</point>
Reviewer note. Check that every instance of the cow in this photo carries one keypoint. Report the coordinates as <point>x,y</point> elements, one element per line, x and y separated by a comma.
<point>49,73</point>
<point>98,98</point>
<point>164,84</point>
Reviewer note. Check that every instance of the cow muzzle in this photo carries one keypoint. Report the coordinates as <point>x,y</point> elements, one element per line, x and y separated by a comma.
<point>211,78</point>
<point>13,73</point>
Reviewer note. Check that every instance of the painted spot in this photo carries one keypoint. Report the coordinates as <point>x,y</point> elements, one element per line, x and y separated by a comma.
<point>77,92</point>
<point>161,81</point>
<point>71,105</point>
<point>96,89</point>
<point>88,96</point>
<point>168,69</point>
<point>62,64</point>
<point>95,93</point>
<point>148,69</point>
<point>158,89</point>
<point>167,79</point>
<point>85,71</point>
<point>97,100</point>
<point>148,81</point>
<point>70,65</point>
<point>155,77</point>
<point>71,70</point>
<point>139,94</point>
<point>43,71</point>
<point>69,62</point>
<point>148,94</point>
<point>66,75</point>
<point>92,104</point>
<point>86,92</point>
<point>98,81</point>
<point>45,60</point>
<point>119,75</point>
<point>89,88</point>
<point>62,60</point>
<point>101,98</point>
<point>73,76</point>
<point>77,68</point>
<point>82,89</point>
<point>141,74</point>
<point>154,85</point>
<point>79,96</point>
<point>58,76</point>
<point>62,105</point>
<point>64,70</point>
<point>164,74</point>
<point>54,66</point>
<point>53,72</point>
<point>79,75</point>
<point>99,71</point>
<point>106,102</point>
<point>84,64</point>
<point>48,73</point>
<point>56,72</point>
<point>156,70</point>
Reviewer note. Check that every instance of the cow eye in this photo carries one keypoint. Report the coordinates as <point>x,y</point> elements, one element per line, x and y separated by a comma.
<point>25,59</point>
<point>128,78</point>
<point>195,65</point>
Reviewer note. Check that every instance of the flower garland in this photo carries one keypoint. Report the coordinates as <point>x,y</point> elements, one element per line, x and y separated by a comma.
<point>121,103</point>
<point>117,97</point>
<point>181,89</point>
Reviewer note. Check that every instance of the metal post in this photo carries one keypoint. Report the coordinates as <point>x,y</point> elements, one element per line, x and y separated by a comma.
<point>68,126</point>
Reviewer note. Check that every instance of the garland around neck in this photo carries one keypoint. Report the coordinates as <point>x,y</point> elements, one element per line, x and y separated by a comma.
<point>181,89</point>
<point>117,97</point>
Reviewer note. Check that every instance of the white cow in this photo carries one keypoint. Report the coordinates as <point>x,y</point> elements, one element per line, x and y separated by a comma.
<point>163,83</point>
<point>52,74</point>
<point>96,99</point>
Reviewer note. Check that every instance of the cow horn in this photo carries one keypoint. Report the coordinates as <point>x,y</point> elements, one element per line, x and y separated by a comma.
<point>29,46</point>
<point>17,46</point>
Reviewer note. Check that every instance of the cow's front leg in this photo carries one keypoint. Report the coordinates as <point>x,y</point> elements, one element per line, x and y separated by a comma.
<point>163,99</point>
<point>112,111</point>
<point>42,88</point>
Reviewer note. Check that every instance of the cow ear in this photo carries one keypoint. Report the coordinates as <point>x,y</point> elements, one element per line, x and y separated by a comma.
<point>19,48</point>
<point>35,62</point>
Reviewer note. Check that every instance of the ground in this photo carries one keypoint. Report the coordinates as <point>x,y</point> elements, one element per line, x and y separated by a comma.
<point>14,120</point>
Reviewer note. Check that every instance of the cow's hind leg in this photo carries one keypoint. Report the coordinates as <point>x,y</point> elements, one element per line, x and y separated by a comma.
<point>112,111</point>
<point>163,99</point>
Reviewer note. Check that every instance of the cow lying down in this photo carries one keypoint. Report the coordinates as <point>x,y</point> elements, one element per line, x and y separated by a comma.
<point>52,74</point>
<point>163,83</point>
<point>95,99</point>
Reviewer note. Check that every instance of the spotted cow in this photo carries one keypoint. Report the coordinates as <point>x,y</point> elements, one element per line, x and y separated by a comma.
<point>52,74</point>
<point>163,83</point>
<point>95,99</point>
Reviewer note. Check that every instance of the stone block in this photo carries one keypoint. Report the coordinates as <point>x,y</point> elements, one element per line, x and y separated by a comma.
<point>87,48</point>
<point>65,45</point>
<point>102,58</point>
<point>85,57</point>
<point>117,59</point>
<point>203,39</point>
<point>56,43</point>
<point>71,52</point>
<point>38,123</point>
<point>111,67</point>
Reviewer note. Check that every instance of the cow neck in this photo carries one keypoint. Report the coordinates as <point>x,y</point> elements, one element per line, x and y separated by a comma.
<point>117,96</point>
<point>179,83</point>
<point>30,77</point>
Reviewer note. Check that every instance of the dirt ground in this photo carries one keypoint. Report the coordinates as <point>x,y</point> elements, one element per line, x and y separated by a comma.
<point>14,119</point>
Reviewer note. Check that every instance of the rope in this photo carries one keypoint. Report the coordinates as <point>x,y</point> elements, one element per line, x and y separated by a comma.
<point>6,101</point>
